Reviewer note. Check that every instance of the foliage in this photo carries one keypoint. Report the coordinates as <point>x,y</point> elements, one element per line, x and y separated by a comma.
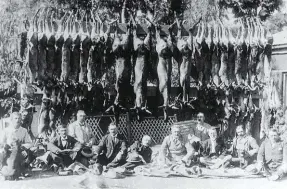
<point>262,8</point>
<point>276,22</point>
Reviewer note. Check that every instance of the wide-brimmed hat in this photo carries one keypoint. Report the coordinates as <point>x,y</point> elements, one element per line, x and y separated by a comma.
<point>87,152</point>
<point>134,158</point>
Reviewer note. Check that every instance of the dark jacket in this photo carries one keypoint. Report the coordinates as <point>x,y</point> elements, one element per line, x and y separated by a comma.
<point>219,147</point>
<point>56,144</point>
<point>144,151</point>
<point>110,149</point>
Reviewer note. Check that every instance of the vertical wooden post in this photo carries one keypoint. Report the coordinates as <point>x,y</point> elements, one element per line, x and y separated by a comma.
<point>128,122</point>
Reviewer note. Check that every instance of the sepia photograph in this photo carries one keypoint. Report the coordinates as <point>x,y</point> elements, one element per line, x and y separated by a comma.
<point>143,94</point>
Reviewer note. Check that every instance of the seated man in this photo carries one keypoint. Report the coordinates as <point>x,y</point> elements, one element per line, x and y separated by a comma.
<point>15,138</point>
<point>174,150</point>
<point>63,149</point>
<point>139,153</point>
<point>201,129</point>
<point>272,155</point>
<point>81,131</point>
<point>112,150</point>
<point>212,148</point>
<point>83,134</point>
<point>244,149</point>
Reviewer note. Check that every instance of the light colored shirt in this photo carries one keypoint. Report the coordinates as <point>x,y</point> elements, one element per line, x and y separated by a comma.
<point>64,141</point>
<point>213,145</point>
<point>272,154</point>
<point>173,147</point>
<point>21,134</point>
<point>81,132</point>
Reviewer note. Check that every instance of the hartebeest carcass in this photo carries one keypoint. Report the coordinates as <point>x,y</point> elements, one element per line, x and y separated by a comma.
<point>121,49</point>
<point>51,42</point>
<point>59,23</point>
<point>76,52</point>
<point>223,71</point>
<point>215,57</point>
<point>66,51</point>
<point>185,47</point>
<point>199,62</point>
<point>142,51</point>
<point>85,47</point>
<point>164,49</point>
<point>241,56</point>
<point>32,53</point>
<point>42,47</point>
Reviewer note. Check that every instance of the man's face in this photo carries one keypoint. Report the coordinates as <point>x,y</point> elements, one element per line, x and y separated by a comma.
<point>81,117</point>
<point>213,134</point>
<point>175,132</point>
<point>273,136</point>
<point>200,118</point>
<point>16,121</point>
<point>146,141</point>
<point>113,130</point>
<point>240,131</point>
<point>63,132</point>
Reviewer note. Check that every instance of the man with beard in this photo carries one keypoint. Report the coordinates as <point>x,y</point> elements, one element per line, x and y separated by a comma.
<point>16,144</point>
<point>112,149</point>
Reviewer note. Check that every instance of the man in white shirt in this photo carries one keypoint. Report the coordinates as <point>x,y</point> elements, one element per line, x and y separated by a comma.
<point>83,134</point>
<point>14,139</point>
<point>81,131</point>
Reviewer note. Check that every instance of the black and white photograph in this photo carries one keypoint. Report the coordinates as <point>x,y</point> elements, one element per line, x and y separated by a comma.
<point>143,94</point>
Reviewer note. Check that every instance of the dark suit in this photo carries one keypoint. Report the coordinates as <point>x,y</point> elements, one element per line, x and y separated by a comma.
<point>56,145</point>
<point>109,148</point>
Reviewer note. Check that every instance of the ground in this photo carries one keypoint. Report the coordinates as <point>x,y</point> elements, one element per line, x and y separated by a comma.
<point>47,180</point>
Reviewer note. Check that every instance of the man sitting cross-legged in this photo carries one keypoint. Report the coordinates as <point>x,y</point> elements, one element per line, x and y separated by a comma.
<point>139,153</point>
<point>272,156</point>
<point>175,157</point>
<point>16,143</point>
<point>63,149</point>
<point>213,149</point>
<point>112,149</point>
<point>244,149</point>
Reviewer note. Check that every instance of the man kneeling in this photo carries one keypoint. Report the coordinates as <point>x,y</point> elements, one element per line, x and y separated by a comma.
<point>112,150</point>
<point>272,156</point>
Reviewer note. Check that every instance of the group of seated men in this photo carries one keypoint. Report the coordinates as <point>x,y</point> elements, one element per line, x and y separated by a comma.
<point>68,145</point>
<point>202,146</point>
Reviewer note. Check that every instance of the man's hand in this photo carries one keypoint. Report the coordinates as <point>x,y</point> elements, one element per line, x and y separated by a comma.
<point>144,162</point>
<point>89,144</point>
<point>24,153</point>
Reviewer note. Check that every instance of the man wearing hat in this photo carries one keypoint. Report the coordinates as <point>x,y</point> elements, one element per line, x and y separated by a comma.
<point>112,149</point>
